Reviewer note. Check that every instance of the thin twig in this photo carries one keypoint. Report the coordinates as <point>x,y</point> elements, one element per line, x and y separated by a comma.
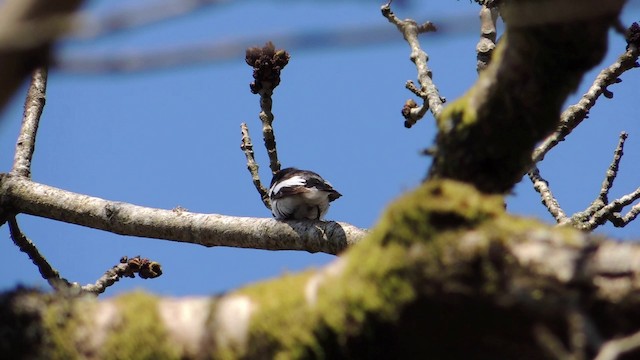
<point>603,197</point>
<point>601,210</point>
<point>620,221</point>
<point>267,63</point>
<point>613,349</point>
<point>128,267</point>
<point>487,42</point>
<point>607,211</point>
<point>33,106</point>
<point>266,116</point>
<point>26,246</point>
<point>612,171</point>
<point>575,114</point>
<point>431,97</point>
<point>549,201</point>
<point>252,165</point>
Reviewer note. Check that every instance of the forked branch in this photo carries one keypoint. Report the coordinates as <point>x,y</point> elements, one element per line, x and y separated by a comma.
<point>428,91</point>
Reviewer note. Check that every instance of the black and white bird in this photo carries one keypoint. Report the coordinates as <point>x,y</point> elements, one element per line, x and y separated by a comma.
<point>300,194</point>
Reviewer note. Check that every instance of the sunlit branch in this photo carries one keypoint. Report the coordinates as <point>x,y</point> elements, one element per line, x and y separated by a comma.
<point>252,165</point>
<point>33,106</point>
<point>24,196</point>
<point>575,114</point>
<point>429,93</point>
<point>487,42</point>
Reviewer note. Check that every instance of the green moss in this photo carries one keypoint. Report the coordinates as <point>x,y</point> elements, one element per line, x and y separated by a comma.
<point>282,322</point>
<point>139,333</point>
<point>62,319</point>
<point>378,279</point>
<point>433,207</point>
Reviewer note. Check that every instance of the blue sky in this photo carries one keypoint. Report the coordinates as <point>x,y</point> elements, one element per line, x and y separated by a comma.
<point>170,137</point>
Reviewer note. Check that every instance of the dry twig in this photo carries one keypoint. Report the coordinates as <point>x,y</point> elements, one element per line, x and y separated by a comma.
<point>128,267</point>
<point>601,209</point>
<point>267,63</point>
<point>428,92</point>
<point>33,107</point>
<point>575,114</point>
<point>548,200</point>
<point>252,165</point>
<point>46,270</point>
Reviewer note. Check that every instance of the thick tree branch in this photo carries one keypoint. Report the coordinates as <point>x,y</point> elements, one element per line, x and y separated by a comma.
<point>19,195</point>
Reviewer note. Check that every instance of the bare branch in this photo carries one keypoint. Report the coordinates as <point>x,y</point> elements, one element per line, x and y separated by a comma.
<point>612,171</point>
<point>267,63</point>
<point>33,106</point>
<point>252,165</point>
<point>575,114</point>
<point>548,200</point>
<point>127,267</point>
<point>620,221</point>
<point>431,97</point>
<point>24,196</point>
<point>487,42</point>
<point>46,270</point>
<point>600,210</point>
<point>607,211</point>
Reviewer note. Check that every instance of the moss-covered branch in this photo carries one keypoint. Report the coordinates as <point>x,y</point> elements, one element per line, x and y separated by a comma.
<point>459,276</point>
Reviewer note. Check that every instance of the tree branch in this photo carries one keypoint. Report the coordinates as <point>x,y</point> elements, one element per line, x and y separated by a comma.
<point>252,165</point>
<point>548,200</point>
<point>496,277</point>
<point>47,271</point>
<point>267,63</point>
<point>487,42</point>
<point>127,267</point>
<point>33,106</point>
<point>20,195</point>
<point>429,93</point>
<point>600,210</point>
<point>575,114</point>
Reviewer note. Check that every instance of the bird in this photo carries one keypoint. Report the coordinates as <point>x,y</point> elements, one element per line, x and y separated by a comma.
<point>300,194</point>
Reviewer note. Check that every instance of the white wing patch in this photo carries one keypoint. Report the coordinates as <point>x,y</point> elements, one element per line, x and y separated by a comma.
<point>291,182</point>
